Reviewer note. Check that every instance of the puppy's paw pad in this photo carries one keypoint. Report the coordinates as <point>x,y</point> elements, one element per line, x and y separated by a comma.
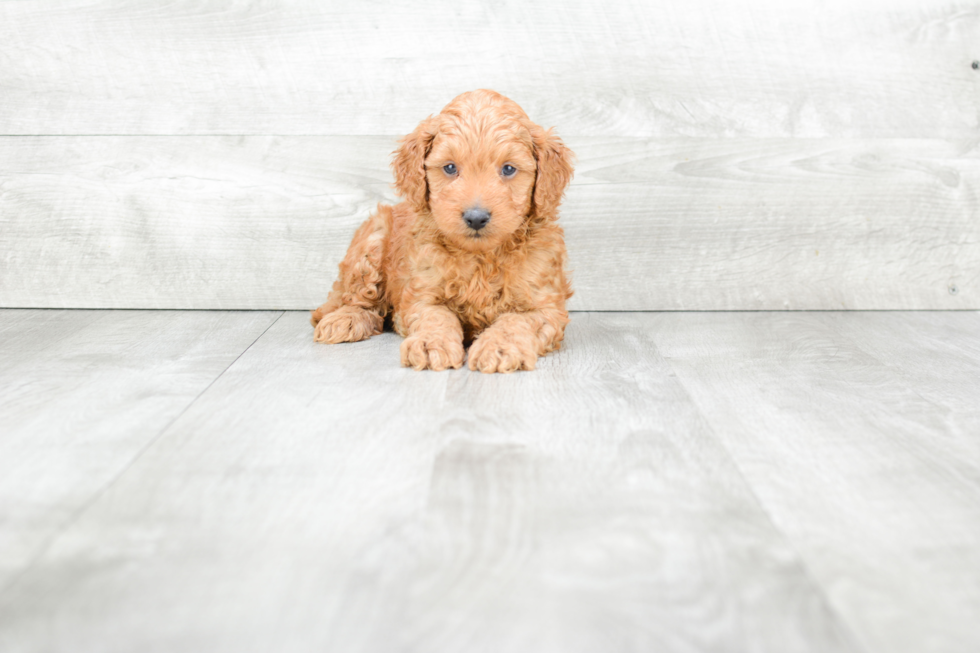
<point>432,352</point>
<point>347,324</point>
<point>492,353</point>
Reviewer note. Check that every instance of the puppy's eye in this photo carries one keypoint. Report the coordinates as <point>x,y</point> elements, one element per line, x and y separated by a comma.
<point>508,170</point>
<point>449,169</point>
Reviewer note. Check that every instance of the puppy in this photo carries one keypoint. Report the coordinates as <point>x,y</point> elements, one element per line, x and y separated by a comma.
<point>473,254</point>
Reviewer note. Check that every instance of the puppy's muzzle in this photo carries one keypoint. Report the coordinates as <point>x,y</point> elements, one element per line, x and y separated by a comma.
<point>477,218</point>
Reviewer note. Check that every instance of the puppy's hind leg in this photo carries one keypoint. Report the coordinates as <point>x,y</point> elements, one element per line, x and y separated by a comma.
<point>356,307</point>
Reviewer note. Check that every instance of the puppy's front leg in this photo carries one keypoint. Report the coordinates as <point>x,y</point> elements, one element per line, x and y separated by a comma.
<point>515,340</point>
<point>434,338</point>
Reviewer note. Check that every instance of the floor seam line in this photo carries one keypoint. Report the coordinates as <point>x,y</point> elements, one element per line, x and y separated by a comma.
<point>812,581</point>
<point>97,495</point>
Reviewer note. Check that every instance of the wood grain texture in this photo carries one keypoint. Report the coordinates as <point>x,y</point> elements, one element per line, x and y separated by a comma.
<point>852,436</point>
<point>652,224</point>
<point>320,498</point>
<point>706,68</point>
<point>938,355</point>
<point>81,394</point>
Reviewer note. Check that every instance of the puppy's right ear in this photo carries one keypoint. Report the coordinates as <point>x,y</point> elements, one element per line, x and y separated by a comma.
<point>409,165</point>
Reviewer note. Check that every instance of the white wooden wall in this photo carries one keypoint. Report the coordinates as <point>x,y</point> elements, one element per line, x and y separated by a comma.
<point>732,155</point>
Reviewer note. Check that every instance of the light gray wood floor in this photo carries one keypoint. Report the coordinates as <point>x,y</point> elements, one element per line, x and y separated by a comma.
<point>214,481</point>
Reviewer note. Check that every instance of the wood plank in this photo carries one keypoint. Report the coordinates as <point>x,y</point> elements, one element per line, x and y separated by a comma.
<point>81,394</point>
<point>938,354</point>
<point>323,498</point>
<point>652,224</point>
<point>778,224</point>
<point>876,484</point>
<point>705,68</point>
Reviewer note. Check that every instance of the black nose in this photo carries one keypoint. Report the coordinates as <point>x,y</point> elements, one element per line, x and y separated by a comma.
<point>476,218</point>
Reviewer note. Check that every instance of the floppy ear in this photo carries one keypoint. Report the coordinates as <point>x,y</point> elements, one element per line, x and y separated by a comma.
<point>554,172</point>
<point>409,164</point>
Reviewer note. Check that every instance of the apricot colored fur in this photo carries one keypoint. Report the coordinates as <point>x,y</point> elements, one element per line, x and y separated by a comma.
<point>502,288</point>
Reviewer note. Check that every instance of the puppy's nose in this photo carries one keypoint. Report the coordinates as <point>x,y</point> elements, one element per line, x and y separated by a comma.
<point>476,218</point>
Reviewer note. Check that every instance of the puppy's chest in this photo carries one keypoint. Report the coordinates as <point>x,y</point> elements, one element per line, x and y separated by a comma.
<point>479,291</point>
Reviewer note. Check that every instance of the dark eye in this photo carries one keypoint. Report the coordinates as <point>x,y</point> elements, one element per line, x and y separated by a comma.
<point>449,168</point>
<point>508,170</point>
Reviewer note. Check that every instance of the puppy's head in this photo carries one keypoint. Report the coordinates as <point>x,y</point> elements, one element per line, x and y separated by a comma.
<point>481,169</point>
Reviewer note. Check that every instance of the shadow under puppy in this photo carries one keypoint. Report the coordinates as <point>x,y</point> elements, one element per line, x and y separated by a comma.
<point>473,254</point>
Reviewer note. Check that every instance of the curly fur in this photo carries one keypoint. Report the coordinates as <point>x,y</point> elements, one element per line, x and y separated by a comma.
<point>502,288</point>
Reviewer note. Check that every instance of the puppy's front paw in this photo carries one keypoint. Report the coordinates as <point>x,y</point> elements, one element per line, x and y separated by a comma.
<point>432,351</point>
<point>348,324</point>
<point>494,351</point>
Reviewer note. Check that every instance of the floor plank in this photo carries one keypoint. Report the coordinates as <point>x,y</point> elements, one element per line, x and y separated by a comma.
<point>938,355</point>
<point>859,434</point>
<point>82,393</point>
<point>321,498</point>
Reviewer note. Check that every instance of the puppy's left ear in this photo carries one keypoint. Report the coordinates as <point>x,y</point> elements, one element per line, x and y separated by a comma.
<point>409,165</point>
<point>554,172</point>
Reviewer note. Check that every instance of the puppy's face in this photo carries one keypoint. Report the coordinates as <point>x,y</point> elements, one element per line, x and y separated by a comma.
<point>480,183</point>
<point>480,169</point>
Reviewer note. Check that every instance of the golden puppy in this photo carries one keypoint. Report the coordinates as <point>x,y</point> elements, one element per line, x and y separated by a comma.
<point>473,254</point>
